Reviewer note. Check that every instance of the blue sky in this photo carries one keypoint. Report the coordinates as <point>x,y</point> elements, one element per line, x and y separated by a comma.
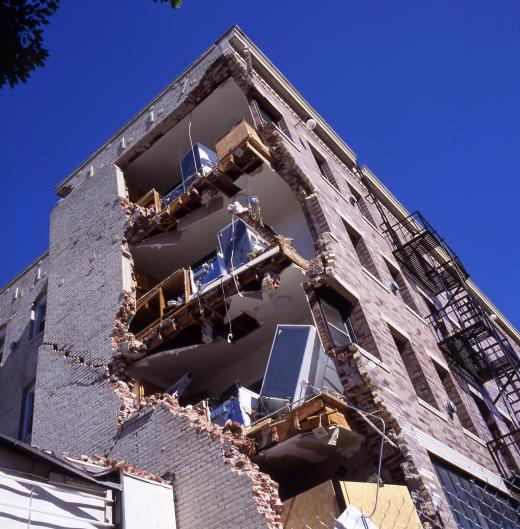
<point>426,93</point>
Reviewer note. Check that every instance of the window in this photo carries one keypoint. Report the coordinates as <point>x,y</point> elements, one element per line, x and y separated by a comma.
<point>454,395</point>
<point>324,168</point>
<point>26,418</point>
<point>336,312</point>
<point>38,314</point>
<point>362,205</point>
<point>435,318</point>
<point>489,423</point>
<point>361,250</point>
<point>2,343</point>
<point>269,115</point>
<point>475,505</point>
<point>413,368</point>
<point>400,287</point>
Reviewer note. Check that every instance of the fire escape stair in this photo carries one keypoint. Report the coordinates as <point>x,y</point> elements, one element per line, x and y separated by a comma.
<point>475,343</point>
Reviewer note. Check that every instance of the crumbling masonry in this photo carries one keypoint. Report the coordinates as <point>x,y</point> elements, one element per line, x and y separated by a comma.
<point>150,338</point>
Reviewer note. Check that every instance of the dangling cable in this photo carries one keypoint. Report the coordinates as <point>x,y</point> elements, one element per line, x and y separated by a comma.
<point>193,154</point>
<point>381,448</point>
<point>230,335</point>
<point>232,256</point>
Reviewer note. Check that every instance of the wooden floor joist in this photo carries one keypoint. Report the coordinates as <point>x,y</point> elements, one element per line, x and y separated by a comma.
<point>239,151</point>
<point>155,323</point>
<point>319,411</point>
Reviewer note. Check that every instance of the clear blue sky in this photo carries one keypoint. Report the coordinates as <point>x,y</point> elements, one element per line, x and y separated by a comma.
<point>426,93</point>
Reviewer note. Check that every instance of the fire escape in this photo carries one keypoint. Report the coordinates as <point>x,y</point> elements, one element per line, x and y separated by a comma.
<point>467,334</point>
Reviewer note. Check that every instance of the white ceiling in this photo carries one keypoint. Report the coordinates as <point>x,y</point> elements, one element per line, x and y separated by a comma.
<point>217,365</point>
<point>159,166</point>
<point>197,233</point>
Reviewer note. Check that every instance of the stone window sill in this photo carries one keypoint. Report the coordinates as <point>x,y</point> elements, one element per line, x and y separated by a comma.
<point>476,438</point>
<point>374,278</point>
<point>285,137</point>
<point>332,186</point>
<point>431,409</point>
<point>372,358</point>
<point>416,314</point>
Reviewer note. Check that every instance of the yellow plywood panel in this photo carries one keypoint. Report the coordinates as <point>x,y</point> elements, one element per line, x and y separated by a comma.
<point>302,509</point>
<point>395,509</point>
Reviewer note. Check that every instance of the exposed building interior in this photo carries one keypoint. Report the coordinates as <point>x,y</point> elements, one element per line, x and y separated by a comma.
<point>222,318</point>
<point>275,318</point>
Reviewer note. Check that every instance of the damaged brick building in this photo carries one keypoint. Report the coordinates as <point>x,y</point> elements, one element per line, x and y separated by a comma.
<point>231,303</point>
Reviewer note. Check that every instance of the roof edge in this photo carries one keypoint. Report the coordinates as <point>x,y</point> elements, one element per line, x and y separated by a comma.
<point>143,109</point>
<point>394,204</point>
<point>24,271</point>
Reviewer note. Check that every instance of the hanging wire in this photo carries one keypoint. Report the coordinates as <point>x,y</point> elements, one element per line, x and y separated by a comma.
<point>381,446</point>
<point>233,256</point>
<point>230,335</point>
<point>193,154</point>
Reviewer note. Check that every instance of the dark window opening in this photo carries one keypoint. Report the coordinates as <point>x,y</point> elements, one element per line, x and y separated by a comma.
<point>38,317</point>
<point>336,312</point>
<point>269,115</point>
<point>26,418</point>
<point>2,343</point>
<point>489,422</point>
<point>430,306</point>
<point>400,287</point>
<point>438,321</point>
<point>454,395</point>
<point>362,251</point>
<point>475,505</point>
<point>362,205</point>
<point>324,168</point>
<point>413,368</point>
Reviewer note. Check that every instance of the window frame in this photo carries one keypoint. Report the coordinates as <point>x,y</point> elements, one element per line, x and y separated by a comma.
<point>27,412</point>
<point>412,364</point>
<point>365,258</point>
<point>343,308</point>
<point>362,206</point>
<point>38,316</point>
<point>324,168</point>
<point>269,114</point>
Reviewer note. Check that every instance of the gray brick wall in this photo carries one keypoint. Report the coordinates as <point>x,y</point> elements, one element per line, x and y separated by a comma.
<point>84,294</point>
<point>208,493</point>
<point>18,368</point>
<point>76,409</point>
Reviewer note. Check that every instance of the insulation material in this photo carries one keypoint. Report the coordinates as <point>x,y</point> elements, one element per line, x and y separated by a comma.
<point>319,502</point>
<point>394,506</point>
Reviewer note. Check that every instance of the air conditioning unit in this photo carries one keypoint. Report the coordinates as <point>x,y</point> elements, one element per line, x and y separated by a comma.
<point>197,161</point>
<point>296,356</point>
<point>394,287</point>
<point>239,244</point>
<point>206,270</point>
<point>352,199</point>
<point>450,407</point>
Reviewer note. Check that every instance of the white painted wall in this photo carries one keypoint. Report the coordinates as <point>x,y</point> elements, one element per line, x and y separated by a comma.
<point>147,504</point>
<point>27,503</point>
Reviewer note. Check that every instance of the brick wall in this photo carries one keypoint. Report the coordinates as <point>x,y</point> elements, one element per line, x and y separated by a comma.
<point>18,368</point>
<point>209,492</point>
<point>76,408</point>
<point>84,294</point>
<point>379,306</point>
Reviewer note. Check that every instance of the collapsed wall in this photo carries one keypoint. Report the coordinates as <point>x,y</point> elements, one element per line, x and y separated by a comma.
<point>85,401</point>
